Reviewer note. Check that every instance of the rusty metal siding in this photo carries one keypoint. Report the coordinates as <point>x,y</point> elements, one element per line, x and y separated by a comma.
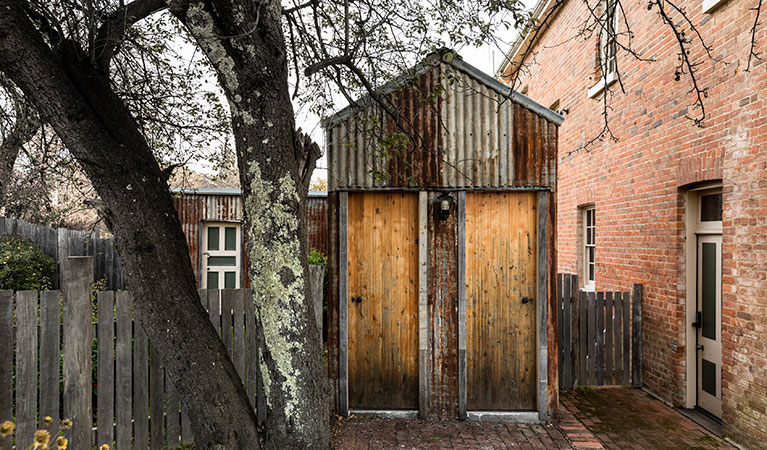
<point>471,136</point>
<point>192,209</point>
<point>442,303</point>
<point>317,224</point>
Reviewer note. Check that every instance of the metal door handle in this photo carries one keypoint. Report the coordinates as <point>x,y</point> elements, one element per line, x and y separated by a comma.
<point>527,300</point>
<point>698,320</point>
<point>700,347</point>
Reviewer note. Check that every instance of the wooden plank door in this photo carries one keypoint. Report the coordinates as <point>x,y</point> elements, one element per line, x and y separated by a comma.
<point>383,300</point>
<point>500,301</point>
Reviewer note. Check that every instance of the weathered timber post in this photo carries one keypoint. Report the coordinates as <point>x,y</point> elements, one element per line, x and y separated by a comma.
<point>77,276</point>
<point>636,336</point>
<point>316,289</point>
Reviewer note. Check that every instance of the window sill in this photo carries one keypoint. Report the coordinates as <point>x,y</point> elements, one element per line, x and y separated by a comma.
<point>588,288</point>
<point>604,82</point>
<point>710,5</point>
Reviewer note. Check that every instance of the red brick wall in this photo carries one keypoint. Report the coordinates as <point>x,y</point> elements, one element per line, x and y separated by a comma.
<point>638,184</point>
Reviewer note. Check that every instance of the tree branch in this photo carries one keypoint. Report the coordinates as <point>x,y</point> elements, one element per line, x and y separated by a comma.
<point>752,53</point>
<point>112,32</point>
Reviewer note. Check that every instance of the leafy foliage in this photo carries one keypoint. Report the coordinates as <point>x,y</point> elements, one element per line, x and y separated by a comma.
<point>23,265</point>
<point>318,258</point>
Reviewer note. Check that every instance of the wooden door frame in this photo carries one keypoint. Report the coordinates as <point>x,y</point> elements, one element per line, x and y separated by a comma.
<point>692,230</point>
<point>544,204</point>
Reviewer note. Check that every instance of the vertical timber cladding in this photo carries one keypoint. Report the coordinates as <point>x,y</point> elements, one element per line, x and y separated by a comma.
<point>484,145</point>
<point>501,260</point>
<point>383,300</point>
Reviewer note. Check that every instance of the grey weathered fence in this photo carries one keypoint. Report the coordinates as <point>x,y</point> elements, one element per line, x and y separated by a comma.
<point>600,335</point>
<point>59,243</point>
<point>130,388</point>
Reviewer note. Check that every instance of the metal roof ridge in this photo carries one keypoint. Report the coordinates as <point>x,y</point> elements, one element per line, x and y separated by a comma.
<point>457,63</point>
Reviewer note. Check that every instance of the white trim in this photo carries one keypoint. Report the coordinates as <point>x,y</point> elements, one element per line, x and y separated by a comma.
<point>236,253</point>
<point>603,83</point>
<point>523,39</point>
<point>693,228</point>
<point>710,5</point>
<point>588,285</point>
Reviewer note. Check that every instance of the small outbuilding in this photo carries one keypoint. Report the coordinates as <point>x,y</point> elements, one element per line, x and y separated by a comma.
<point>212,222</point>
<point>442,252</point>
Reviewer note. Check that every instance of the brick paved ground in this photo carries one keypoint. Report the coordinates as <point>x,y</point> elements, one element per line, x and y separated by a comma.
<point>626,418</point>
<point>375,433</point>
<point>593,418</point>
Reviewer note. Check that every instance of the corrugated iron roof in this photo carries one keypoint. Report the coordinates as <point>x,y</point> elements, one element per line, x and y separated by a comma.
<point>453,60</point>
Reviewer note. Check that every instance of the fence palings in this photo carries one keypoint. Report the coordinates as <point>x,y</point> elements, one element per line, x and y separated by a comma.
<point>50,349</point>
<point>6,361</point>
<point>136,405</point>
<point>599,335</point>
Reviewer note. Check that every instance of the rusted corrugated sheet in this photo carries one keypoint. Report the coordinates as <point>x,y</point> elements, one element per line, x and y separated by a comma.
<point>443,312</point>
<point>192,209</point>
<point>317,224</point>
<point>333,273</point>
<point>463,131</point>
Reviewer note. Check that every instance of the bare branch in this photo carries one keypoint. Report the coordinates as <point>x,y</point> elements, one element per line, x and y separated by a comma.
<point>751,52</point>
<point>686,65</point>
<point>112,32</point>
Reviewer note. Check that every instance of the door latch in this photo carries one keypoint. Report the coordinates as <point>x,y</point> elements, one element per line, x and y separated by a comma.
<point>357,299</point>
<point>699,347</point>
<point>698,320</point>
<point>527,300</point>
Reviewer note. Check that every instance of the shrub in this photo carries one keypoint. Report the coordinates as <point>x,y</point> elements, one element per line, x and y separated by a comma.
<point>317,258</point>
<point>23,265</point>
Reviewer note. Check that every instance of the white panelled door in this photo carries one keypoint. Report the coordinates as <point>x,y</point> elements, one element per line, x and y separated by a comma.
<point>221,255</point>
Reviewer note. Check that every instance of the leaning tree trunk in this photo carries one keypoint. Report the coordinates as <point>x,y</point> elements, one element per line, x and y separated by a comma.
<point>245,45</point>
<point>92,121</point>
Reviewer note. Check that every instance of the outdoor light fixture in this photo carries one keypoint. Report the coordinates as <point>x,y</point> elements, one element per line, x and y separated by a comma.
<point>444,202</point>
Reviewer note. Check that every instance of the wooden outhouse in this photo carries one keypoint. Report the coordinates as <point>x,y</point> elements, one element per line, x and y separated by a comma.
<point>212,222</point>
<point>442,263</point>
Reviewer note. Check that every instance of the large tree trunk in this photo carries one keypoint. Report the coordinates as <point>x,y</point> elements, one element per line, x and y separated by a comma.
<point>244,42</point>
<point>99,131</point>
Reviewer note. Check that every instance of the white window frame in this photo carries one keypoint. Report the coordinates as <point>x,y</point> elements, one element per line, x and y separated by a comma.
<point>588,284</point>
<point>607,44</point>
<point>237,253</point>
<point>710,5</point>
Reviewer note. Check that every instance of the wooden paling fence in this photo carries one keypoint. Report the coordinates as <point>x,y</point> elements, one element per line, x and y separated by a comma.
<point>60,243</point>
<point>130,389</point>
<point>600,335</point>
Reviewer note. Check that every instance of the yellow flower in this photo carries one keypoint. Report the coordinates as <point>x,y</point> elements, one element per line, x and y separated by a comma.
<point>6,429</point>
<point>61,443</point>
<point>66,423</point>
<point>42,437</point>
<point>47,419</point>
<point>104,447</point>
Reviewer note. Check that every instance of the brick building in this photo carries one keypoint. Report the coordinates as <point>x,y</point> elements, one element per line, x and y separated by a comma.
<point>679,208</point>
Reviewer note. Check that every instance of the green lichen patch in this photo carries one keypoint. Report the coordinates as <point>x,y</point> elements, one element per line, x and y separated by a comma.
<point>278,281</point>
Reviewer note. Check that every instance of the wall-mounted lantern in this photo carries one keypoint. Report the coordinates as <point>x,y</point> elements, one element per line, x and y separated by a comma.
<point>444,202</point>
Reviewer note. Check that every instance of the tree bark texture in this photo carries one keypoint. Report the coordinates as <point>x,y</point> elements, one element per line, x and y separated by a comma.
<point>76,99</point>
<point>245,44</point>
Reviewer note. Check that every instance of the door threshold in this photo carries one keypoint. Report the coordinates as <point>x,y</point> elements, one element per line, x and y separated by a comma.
<point>385,413</point>
<point>504,416</point>
<point>703,418</point>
